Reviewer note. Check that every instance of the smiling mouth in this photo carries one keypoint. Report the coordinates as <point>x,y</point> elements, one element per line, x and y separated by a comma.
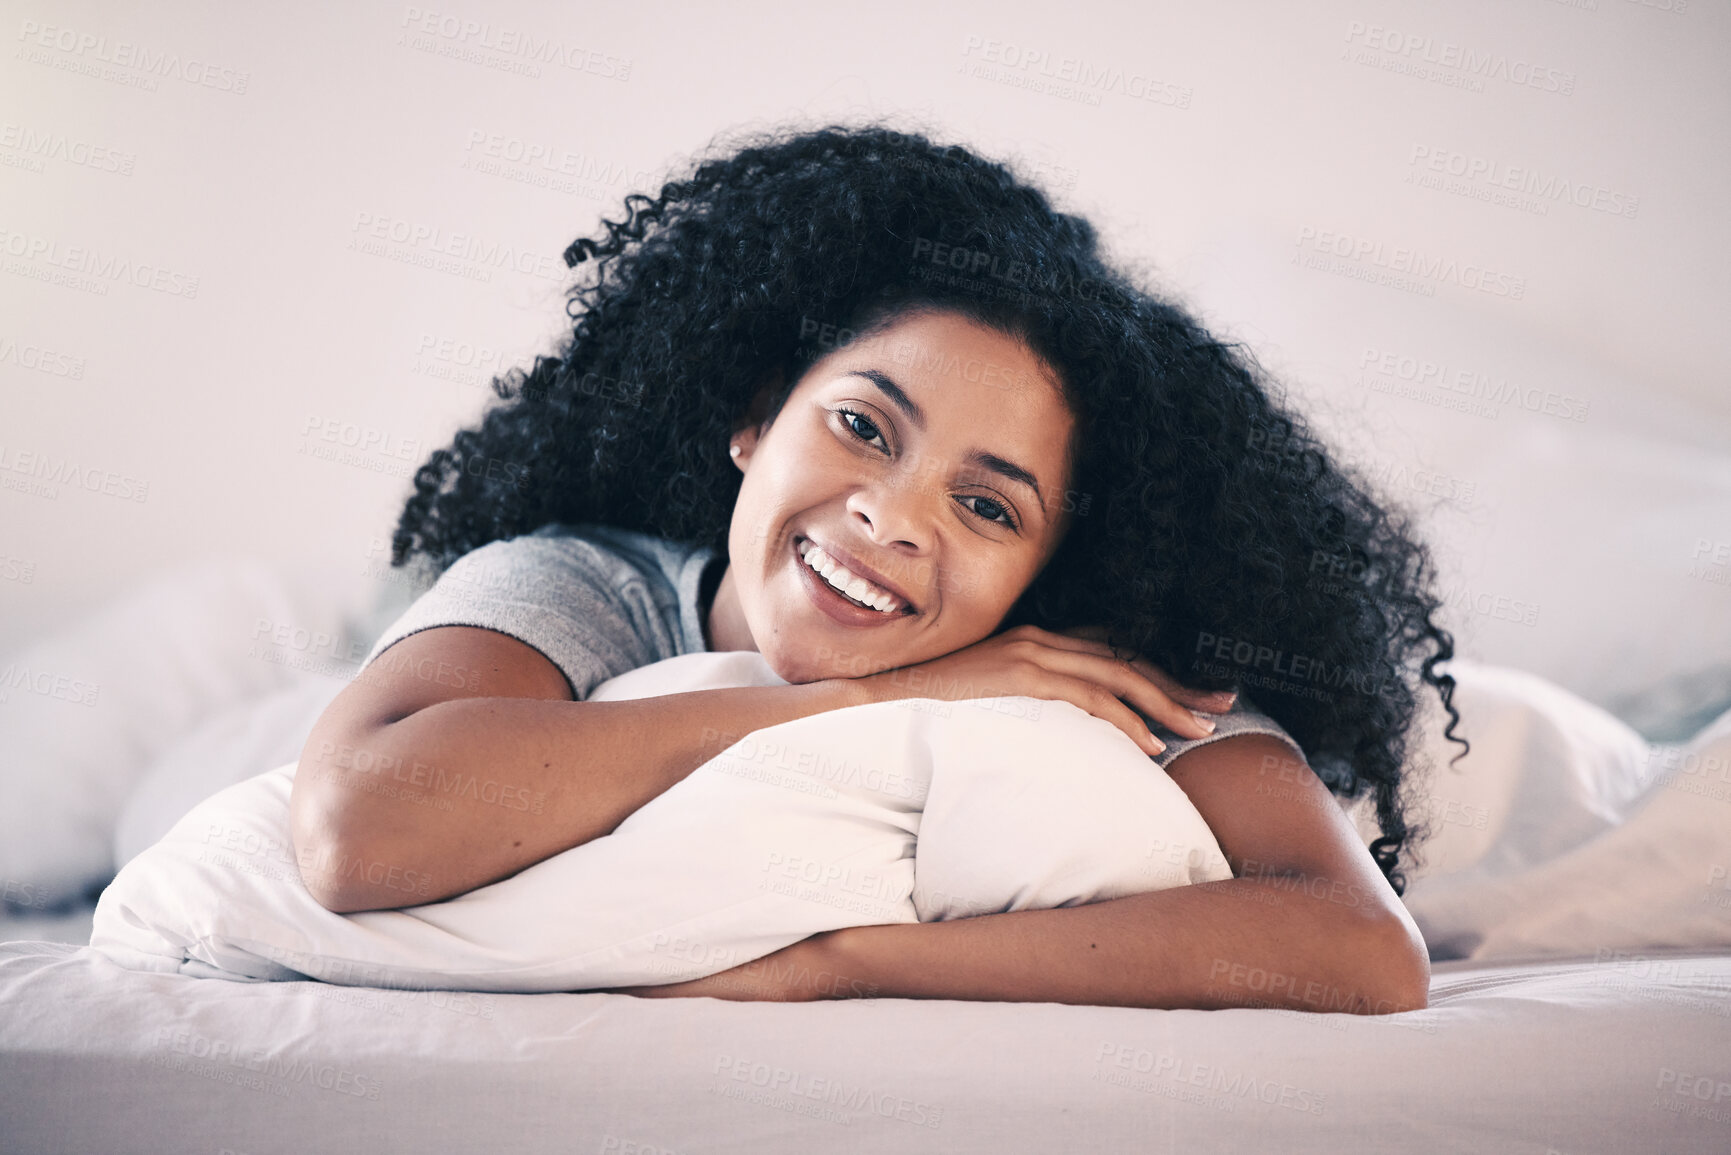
<point>903,609</point>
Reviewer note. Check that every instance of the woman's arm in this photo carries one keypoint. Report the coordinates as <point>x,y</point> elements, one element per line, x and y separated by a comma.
<point>457,757</point>
<point>1308,922</point>
<point>456,782</point>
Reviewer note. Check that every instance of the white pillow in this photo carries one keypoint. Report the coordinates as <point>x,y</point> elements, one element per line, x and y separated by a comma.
<point>1564,833</point>
<point>85,710</point>
<point>798,828</point>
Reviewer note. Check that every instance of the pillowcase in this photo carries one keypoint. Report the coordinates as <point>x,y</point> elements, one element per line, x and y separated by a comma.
<point>890,812</point>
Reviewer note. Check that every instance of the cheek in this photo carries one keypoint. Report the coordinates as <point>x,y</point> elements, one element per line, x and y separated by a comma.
<point>791,467</point>
<point>978,591</point>
<point>1003,586</point>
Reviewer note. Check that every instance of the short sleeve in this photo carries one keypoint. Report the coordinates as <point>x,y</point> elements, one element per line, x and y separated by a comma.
<point>1243,718</point>
<point>589,611</point>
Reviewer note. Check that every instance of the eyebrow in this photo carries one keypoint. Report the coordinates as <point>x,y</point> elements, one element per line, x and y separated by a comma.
<point>915,414</point>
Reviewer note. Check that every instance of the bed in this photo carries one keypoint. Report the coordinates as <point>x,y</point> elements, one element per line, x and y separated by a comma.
<point>1580,1056</point>
<point>1575,901</point>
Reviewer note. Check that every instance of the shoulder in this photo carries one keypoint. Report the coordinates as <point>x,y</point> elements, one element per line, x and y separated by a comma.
<point>552,551</point>
<point>644,552</point>
<point>561,558</point>
<point>597,602</point>
<point>1243,719</point>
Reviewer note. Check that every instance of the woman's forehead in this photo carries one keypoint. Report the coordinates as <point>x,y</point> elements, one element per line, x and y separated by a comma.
<point>936,349</point>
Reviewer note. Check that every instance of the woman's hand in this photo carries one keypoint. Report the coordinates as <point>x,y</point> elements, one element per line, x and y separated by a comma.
<point>801,973</point>
<point>1205,701</point>
<point>1075,666</point>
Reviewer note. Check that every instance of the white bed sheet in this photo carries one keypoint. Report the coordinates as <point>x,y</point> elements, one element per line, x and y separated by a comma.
<point>1565,1057</point>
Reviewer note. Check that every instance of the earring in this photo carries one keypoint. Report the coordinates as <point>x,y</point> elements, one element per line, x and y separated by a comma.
<point>733,451</point>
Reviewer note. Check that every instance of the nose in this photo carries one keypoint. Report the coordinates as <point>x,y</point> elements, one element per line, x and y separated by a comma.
<point>895,512</point>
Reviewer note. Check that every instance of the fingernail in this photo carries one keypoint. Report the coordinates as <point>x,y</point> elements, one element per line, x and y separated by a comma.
<point>1159,746</point>
<point>1206,723</point>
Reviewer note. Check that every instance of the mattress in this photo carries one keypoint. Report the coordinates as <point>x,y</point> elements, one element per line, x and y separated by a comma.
<point>1616,1053</point>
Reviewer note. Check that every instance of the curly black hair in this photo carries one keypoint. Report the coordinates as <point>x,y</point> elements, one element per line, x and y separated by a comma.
<point>1212,530</point>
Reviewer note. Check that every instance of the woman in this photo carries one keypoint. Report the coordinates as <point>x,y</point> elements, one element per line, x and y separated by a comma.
<point>1039,482</point>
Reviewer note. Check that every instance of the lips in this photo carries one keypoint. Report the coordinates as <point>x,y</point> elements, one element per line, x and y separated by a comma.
<point>859,569</point>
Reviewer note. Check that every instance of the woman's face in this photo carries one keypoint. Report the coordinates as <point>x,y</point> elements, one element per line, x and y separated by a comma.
<point>931,454</point>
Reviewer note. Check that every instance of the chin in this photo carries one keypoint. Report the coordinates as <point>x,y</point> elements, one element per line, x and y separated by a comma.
<point>802,664</point>
<point>801,669</point>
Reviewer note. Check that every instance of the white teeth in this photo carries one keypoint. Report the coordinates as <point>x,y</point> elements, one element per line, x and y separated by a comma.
<point>856,588</point>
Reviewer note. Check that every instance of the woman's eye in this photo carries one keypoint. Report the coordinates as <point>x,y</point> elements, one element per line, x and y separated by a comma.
<point>992,507</point>
<point>849,416</point>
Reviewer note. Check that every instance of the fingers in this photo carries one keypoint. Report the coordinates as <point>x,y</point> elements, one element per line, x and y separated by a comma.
<point>1145,685</point>
<point>1089,696</point>
<point>1078,639</point>
<point>1086,633</point>
<point>1133,685</point>
<point>1123,680</point>
<point>1207,701</point>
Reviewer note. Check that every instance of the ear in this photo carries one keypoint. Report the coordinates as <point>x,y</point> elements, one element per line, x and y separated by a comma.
<point>744,444</point>
<point>757,422</point>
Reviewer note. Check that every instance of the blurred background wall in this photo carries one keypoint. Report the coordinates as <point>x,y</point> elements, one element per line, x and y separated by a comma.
<point>259,260</point>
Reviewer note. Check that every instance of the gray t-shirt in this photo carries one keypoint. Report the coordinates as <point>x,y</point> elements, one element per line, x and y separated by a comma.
<point>598,601</point>
<point>595,600</point>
